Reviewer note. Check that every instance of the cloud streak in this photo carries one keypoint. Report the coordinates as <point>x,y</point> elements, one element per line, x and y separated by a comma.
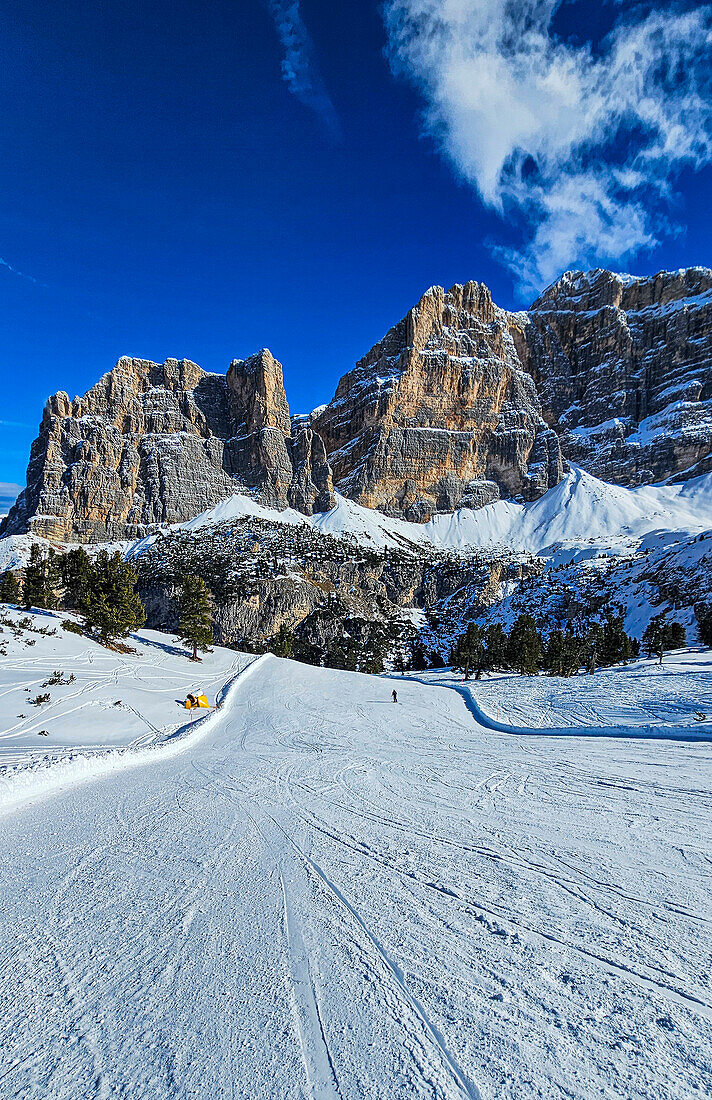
<point>299,69</point>
<point>8,495</point>
<point>578,145</point>
<point>9,266</point>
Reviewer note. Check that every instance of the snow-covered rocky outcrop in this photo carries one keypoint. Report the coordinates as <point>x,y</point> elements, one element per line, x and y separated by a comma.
<point>624,371</point>
<point>354,573</point>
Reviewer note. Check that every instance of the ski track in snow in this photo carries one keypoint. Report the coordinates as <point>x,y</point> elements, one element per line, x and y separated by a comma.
<point>330,897</point>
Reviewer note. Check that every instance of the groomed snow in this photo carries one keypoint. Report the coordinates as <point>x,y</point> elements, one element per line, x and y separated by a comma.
<point>330,896</point>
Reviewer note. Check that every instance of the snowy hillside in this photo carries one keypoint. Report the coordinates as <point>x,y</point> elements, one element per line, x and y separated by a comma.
<point>101,699</point>
<point>330,896</point>
<point>15,550</point>
<point>584,547</point>
<point>579,512</point>
<point>669,571</point>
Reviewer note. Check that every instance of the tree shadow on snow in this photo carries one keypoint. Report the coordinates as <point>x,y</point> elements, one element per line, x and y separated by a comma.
<point>175,650</point>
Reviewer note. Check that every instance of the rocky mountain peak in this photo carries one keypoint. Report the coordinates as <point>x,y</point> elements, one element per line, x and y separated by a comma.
<point>158,443</point>
<point>441,413</point>
<point>460,402</point>
<point>256,393</point>
<point>624,371</point>
<point>599,288</point>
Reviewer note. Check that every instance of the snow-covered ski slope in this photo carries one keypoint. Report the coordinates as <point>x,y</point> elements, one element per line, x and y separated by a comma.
<point>114,700</point>
<point>580,511</point>
<point>330,896</point>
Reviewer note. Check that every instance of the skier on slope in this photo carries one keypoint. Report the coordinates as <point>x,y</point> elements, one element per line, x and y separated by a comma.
<point>395,696</point>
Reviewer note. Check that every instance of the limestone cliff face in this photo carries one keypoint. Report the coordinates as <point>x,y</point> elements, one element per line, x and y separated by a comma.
<point>442,413</point>
<point>260,425</point>
<point>312,488</point>
<point>463,401</point>
<point>460,403</point>
<point>158,443</point>
<point>624,371</point>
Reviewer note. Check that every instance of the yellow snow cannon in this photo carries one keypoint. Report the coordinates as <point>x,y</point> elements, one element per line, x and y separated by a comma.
<point>194,701</point>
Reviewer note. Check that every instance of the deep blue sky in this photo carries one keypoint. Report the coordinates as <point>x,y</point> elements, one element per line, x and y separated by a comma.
<point>170,196</point>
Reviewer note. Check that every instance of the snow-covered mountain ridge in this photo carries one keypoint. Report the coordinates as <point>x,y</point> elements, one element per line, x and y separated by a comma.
<point>579,513</point>
<point>582,514</point>
<point>383,582</point>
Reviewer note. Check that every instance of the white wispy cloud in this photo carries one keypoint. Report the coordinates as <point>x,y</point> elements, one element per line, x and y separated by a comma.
<point>299,68</point>
<point>22,274</point>
<point>8,495</point>
<point>580,146</point>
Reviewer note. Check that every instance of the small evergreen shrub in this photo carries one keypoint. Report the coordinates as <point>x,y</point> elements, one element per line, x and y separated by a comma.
<point>71,626</point>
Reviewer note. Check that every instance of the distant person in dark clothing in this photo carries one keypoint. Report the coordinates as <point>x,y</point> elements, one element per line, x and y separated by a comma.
<point>395,696</point>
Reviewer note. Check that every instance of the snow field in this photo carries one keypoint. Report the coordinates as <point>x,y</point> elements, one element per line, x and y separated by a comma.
<point>332,896</point>
<point>640,698</point>
<point>82,719</point>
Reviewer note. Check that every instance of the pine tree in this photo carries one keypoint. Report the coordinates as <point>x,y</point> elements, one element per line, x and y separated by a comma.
<point>112,607</point>
<point>75,569</point>
<point>284,642</point>
<point>10,591</point>
<point>372,661</point>
<point>418,662</point>
<point>704,624</point>
<point>469,651</point>
<point>525,645</point>
<point>594,645</point>
<point>612,639</point>
<point>475,638</point>
<point>626,650</point>
<point>556,652</point>
<point>37,586</point>
<point>661,635</point>
<point>53,580</point>
<point>496,647</point>
<point>651,636</point>
<point>194,614</point>
<point>571,657</point>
